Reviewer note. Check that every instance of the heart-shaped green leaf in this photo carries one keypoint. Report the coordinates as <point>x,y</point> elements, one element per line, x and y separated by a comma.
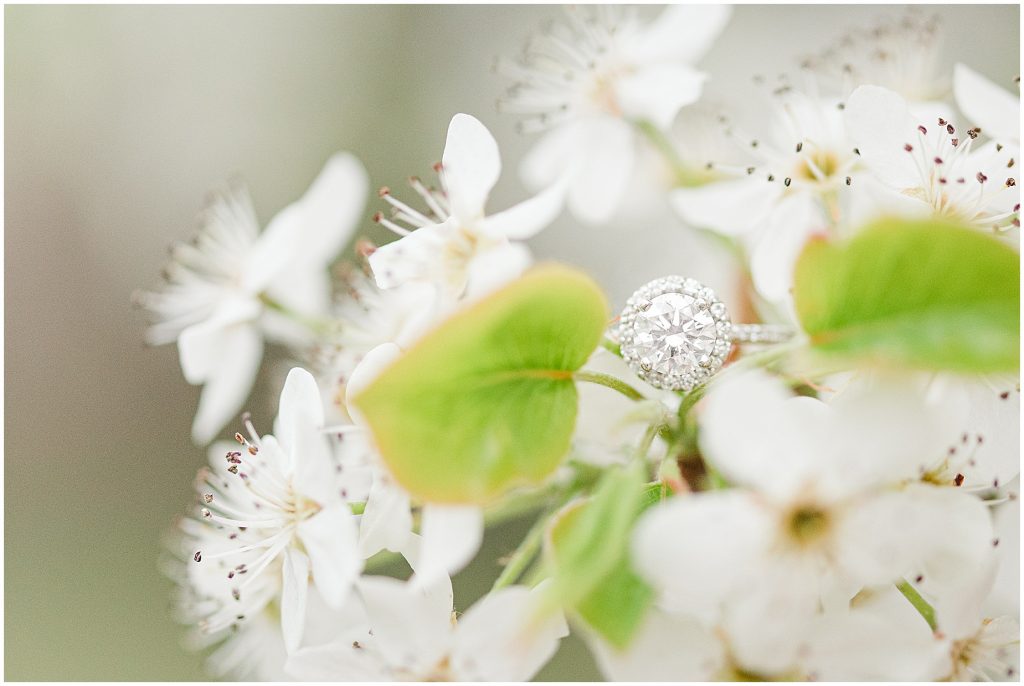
<point>487,400</point>
<point>588,551</point>
<point>924,294</point>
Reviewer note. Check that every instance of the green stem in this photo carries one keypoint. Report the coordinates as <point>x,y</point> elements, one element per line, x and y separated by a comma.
<point>644,446</point>
<point>612,347</point>
<point>526,503</point>
<point>316,324</point>
<point>523,555</point>
<point>919,603</point>
<point>611,382</point>
<point>661,143</point>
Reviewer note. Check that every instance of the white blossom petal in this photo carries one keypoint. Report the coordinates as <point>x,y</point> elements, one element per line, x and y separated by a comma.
<point>687,533</point>
<point>504,638</point>
<point>666,648</point>
<point>552,157</point>
<point>657,93</point>
<point>875,641</point>
<point>294,588</point>
<point>995,110</point>
<point>880,125</point>
<point>331,538</point>
<point>785,232</point>
<point>347,659</point>
<point>733,208</point>
<point>778,449</point>
<point>411,623</point>
<point>451,536</point>
<point>493,268</point>
<point>386,523</point>
<point>332,207</point>
<point>682,33</point>
<point>471,164</point>
<point>227,384</point>
<point>414,257</point>
<point>526,219</point>
<point>605,156</point>
<point>299,410</point>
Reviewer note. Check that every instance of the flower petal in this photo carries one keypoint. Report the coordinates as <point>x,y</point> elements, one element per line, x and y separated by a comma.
<point>780,242</point>
<point>733,208</point>
<point>779,444</point>
<point>881,639</point>
<point>331,538</point>
<point>713,536</point>
<point>331,208</point>
<point>411,624</point>
<point>493,268</point>
<point>526,219</point>
<point>415,257</point>
<point>471,164</point>
<point>657,93</point>
<point>666,648</point>
<point>552,157</point>
<point>503,638</point>
<point>682,33</point>
<point>228,383</point>
<point>294,588</point>
<point>386,523</point>
<point>451,535</point>
<point>995,110</point>
<point>605,148</point>
<point>347,659</point>
<point>201,347</point>
<point>940,535</point>
<point>879,125</point>
<point>299,409</point>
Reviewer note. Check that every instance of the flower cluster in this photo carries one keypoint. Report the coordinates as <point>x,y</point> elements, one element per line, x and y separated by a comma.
<point>798,516</point>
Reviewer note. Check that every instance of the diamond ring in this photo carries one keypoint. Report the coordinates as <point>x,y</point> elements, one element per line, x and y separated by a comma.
<point>674,333</point>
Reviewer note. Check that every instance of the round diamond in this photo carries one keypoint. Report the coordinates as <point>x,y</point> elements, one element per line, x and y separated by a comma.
<point>674,334</point>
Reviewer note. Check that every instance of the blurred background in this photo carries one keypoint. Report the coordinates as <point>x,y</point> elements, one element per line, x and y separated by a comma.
<point>118,120</point>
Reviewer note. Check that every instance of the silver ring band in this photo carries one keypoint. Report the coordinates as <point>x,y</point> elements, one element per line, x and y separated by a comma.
<point>761,333</point>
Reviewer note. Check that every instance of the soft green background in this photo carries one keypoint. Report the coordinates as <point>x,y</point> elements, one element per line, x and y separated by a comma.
<point>118,119</point>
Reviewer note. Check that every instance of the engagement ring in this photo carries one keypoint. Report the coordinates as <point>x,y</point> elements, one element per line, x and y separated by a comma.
<point>674,333</point>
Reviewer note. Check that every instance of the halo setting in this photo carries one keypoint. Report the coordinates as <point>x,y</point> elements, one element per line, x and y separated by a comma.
<point>675,333</point>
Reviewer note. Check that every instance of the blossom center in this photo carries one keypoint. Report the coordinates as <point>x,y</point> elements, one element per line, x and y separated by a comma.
<point>807,524</point>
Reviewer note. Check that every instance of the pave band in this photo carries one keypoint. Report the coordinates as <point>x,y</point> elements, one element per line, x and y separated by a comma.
<point>761,333</point>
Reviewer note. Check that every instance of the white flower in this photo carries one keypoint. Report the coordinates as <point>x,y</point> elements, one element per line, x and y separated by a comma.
<point>899,52</point>
<point>995,110</point>
<point>934,162</point>
<point>272,516</point>
<point>587,82</point>
<point>845,645</point>
<point>986,455</point>
<point>413,635</point>
<point>986,651</point>
<point>455,245</point>
<point>812,521</point>
<point>975,644</point>
<point>791,188</point>
<point>214,303</point>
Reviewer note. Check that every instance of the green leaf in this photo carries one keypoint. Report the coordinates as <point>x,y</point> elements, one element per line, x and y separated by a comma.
<point>487,401</point>
<point>588,550</point>
<point>923,294</point>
